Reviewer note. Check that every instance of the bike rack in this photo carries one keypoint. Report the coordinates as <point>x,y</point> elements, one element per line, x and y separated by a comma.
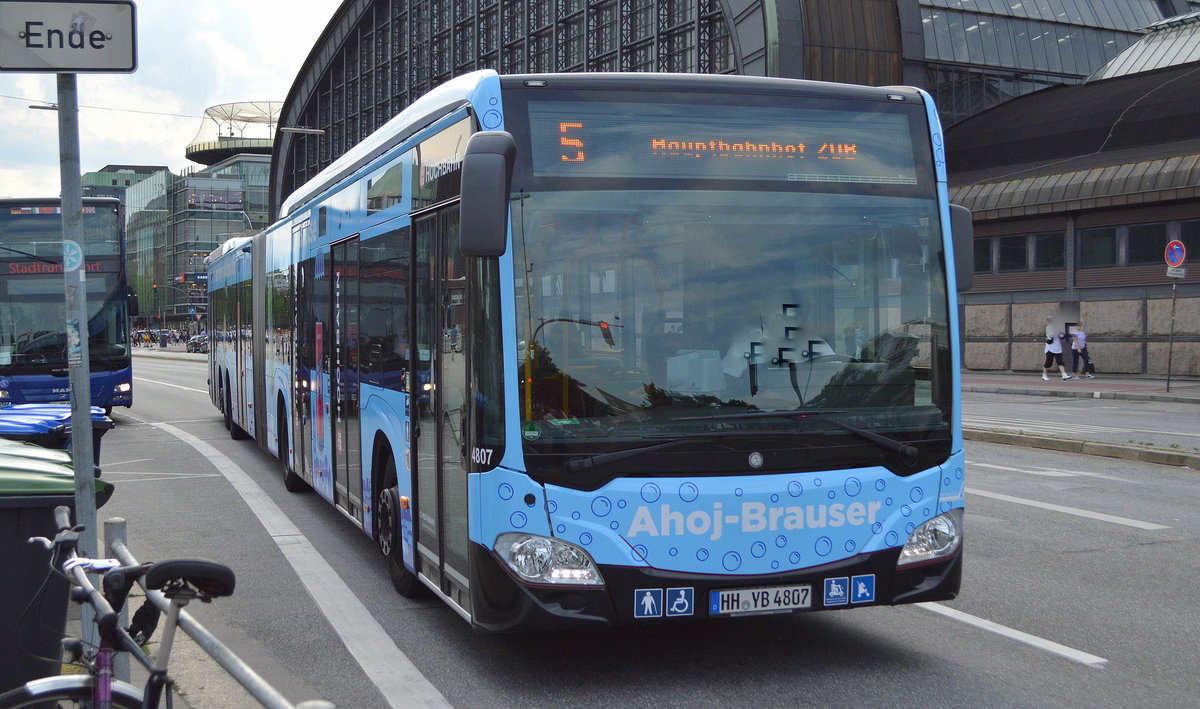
<point>259,688</point>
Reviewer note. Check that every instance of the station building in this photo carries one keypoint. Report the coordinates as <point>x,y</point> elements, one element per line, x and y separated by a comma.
<point>1076,192</point>
<point>375,57</point>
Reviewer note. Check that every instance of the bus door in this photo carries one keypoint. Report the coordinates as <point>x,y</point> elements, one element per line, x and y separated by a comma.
<point>343,319</point>
<point>439,390</point>
<point>302,365</point>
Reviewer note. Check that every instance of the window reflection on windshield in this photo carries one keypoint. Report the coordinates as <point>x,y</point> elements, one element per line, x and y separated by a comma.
<point>650,306</point>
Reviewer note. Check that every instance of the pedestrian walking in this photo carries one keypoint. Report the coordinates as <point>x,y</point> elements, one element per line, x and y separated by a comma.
<point>1079,352</point>
<point>1054,353</point>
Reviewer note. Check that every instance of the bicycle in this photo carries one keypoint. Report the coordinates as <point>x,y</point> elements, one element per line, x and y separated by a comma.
<point>179,580</point>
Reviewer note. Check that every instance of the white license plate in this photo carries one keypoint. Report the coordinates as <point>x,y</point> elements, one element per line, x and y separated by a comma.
<point>741,601</point>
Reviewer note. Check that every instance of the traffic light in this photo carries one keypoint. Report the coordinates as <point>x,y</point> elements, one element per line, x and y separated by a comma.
<point>606,333</point>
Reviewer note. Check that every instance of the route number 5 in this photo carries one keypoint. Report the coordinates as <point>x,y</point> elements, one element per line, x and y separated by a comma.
<point>568,142</point>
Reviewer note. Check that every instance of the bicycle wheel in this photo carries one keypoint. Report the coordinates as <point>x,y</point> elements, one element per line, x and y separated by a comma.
<point>67,692</point>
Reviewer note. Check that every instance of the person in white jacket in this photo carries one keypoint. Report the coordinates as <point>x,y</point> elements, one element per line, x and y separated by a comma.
<point>1054,353</point>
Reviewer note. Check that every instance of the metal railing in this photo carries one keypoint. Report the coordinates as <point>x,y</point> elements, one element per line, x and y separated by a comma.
<point>259,688</point>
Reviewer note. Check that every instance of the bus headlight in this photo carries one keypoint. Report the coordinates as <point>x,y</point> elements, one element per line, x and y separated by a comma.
<point>936,539</point>
<point>544,560</point>
<point>122,387</point>
<point>4,395</point>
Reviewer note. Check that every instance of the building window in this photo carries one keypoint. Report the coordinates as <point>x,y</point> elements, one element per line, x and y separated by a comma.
<point>1049,251</point>
<point>1013,254</point>
<point>983,255</point>
<point>1189,234</point>
<point>1098,247</point>
<point>1146,243</point>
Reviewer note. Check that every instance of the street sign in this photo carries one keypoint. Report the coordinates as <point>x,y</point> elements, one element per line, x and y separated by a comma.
<point>1175,254</point>
<point>1176,272</point>
<point>68,37</point>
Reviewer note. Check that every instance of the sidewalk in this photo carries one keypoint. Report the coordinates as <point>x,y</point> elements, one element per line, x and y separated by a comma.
<point>1104,386</point>
<point>1112,387</point>
<point>170,352</point>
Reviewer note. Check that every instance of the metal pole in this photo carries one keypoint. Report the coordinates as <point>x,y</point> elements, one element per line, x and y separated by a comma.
<point>75,294</point>
<point>1171,338</point>
<point>114,535</point>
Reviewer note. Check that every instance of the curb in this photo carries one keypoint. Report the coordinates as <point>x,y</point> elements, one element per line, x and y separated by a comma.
<point>1070,445</point>
<point>1125,395</point>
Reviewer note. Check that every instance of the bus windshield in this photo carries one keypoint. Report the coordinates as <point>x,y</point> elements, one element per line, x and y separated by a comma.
<point>32,310</point>
<point>653,315</point>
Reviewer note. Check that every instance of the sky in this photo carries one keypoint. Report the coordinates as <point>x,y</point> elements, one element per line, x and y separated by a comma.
<point>191,54</point>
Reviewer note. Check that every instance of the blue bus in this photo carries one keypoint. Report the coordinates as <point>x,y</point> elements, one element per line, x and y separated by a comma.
<point>33,343</point>
<point>593,349</point>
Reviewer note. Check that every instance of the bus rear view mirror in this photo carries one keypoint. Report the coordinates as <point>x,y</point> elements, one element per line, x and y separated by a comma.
<point>963,232</point>
<point>486,180</point>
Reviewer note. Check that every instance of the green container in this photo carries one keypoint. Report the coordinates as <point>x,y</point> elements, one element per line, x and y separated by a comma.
<point>25,449</point>
<point>33,614</point>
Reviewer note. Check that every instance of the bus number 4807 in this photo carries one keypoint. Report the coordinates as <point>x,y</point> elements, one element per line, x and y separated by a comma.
<point>482,456</point>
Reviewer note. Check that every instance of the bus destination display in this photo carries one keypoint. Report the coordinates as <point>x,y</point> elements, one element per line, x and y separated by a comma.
<point>688,141</point>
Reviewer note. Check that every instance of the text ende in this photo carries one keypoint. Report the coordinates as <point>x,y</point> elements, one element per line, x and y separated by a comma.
<point>36,37</point>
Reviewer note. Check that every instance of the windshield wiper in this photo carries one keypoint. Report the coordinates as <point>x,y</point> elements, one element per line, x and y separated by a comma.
<point>577,464</point>
<point>889,444</point>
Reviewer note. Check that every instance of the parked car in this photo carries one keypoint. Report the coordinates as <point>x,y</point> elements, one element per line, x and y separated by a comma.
<point>197,343</point>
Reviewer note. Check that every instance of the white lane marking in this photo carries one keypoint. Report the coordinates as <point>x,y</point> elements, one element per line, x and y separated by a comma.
<point>1009,468</point>
<point>169,384</point>
<point>1070,653</point>
<point>398,680</point>
<point>1136,523</point>
<point>140,477</point>
<point>1050,472</point>
<point>127,462</point>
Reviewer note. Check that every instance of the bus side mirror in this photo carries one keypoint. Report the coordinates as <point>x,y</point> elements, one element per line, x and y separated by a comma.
<point>486,180</point>
<point>963,233</point>
<point>131,302</point>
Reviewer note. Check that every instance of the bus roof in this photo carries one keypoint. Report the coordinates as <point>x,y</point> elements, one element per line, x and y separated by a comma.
<point>229,245</point>
<point>419,114</point>
<point>442,99</point>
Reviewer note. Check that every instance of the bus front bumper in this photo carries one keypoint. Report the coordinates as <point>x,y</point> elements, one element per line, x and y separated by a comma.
<point>501,603</point>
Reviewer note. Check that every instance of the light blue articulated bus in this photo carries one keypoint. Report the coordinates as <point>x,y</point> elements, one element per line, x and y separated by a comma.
<point>582,349</point>
<point>33,322</point>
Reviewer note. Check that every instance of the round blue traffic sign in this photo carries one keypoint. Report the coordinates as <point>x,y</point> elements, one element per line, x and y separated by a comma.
<point>1175,254</point>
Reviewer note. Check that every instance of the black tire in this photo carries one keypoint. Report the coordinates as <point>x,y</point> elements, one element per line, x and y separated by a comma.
<point>223,397</point>
<point>387,536</point>
<point>71,691</point>
<point>236,432</point>
<point>291,481</point>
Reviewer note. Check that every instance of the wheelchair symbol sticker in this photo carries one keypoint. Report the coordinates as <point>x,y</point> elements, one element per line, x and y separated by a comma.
<point>679,601</point>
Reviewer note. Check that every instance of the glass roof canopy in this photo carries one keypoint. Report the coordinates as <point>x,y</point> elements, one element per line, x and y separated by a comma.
<point>1167,43</point>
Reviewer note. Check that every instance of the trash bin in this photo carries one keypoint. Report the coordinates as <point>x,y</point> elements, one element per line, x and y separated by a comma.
<point>61,413</point>
<point>42,430</point>
<point>33,614</point>
<point>23,449</point>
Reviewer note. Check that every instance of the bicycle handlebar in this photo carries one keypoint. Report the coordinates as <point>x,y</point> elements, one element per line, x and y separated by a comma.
<point>107,619</point>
